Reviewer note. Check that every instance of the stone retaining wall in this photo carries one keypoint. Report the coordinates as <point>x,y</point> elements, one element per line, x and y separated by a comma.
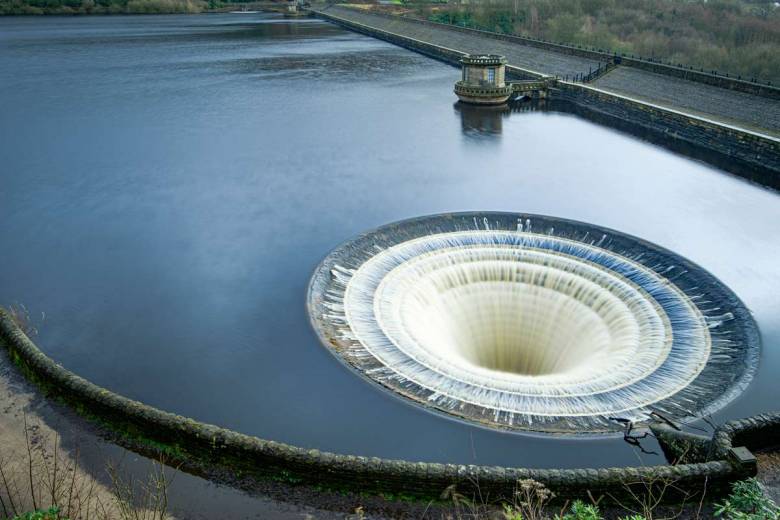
<point>197,444</point>
<point>437,52</point>
<point>750,155</point>
<point>571,50</point>
<point>699,76</point>
<point>434,51</point>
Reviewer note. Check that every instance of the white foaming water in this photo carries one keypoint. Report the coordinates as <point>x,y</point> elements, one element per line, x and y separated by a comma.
<point>512,316</point>
<point>509,327</point>
<point>523,330</point>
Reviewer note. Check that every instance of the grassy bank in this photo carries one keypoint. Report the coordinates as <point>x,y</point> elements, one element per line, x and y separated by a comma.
<point>741,37</point>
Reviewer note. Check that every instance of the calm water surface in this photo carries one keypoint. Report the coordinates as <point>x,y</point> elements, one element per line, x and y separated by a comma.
<point>168,184</point>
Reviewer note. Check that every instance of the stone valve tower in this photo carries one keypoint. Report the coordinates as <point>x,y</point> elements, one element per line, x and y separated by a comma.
<point>483,80</point>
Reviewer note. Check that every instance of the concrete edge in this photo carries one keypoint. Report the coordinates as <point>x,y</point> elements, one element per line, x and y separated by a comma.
<point>188,441</point>
<point>703,120</point>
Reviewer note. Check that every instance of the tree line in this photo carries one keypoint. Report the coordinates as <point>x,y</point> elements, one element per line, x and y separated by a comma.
<point>60,7</point>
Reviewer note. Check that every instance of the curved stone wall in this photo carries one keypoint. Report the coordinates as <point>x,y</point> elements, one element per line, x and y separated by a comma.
<point>757,432</point>
<point>196,444</point>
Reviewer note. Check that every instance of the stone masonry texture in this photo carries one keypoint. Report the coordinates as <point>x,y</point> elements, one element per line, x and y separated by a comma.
<point>523,56</point>
<point>737,108</point>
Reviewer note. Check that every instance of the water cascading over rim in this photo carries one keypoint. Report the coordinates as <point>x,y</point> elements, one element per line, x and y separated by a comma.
<point>532,322</point>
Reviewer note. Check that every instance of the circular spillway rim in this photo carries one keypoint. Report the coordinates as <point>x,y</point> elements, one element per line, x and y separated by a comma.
<point>718,383</point>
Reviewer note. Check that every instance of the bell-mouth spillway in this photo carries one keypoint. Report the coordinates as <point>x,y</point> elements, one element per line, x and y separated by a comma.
<point>530,322</point>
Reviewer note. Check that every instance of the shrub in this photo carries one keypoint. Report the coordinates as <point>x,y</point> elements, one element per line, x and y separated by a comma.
<point>582,511</point>
<point>747,502</point>
<point>52,513</point>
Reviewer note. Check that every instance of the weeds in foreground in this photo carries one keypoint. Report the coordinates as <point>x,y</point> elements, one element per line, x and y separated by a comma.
<point>50,514</point>
<point>40,483</point>
<point>747,502</point>
<point>531,497</point>
<point>531,502</point>
<point>645,496</point>
<point>582,511</point>
<point>152,501</point>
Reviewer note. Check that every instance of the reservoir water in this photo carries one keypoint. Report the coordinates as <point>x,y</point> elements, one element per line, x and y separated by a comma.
<point>168,184</point>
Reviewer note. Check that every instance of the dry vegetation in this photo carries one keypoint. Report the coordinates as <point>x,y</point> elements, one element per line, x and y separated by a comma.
<point>639,500</point>
<point>42,482</point>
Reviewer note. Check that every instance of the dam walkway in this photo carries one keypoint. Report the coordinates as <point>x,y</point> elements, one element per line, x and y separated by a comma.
<point>745,110</point>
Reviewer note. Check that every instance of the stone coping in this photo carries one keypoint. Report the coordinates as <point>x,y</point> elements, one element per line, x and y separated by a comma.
<point>462,87</point>
<point>439,52</point>
<point>483,59</point>
<point>196,444</point>
<point>751,133</point>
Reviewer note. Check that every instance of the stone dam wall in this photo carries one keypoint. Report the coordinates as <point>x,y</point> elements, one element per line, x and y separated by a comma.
<point>602,56</point>
<point>701,76</point>
<point>208,449</point>
<point>745,153</point>
<point>437,52</point>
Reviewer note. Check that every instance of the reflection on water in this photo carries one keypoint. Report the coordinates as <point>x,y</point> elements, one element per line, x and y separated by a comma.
<point>479,120</point>
<point>169,183</point>
<point>485,121</point>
